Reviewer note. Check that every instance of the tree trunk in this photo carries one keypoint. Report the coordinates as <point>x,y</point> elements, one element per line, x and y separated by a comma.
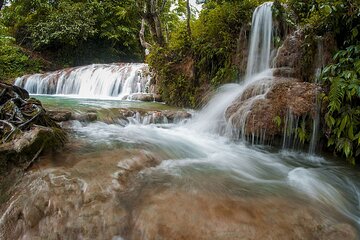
<point>143,42</point>
<point>1,3</point>
<point>188,9</point>
<point>151,15</point>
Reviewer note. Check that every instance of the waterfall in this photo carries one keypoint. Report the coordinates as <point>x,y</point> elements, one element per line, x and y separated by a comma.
<point>258,79</point>
<point>320,61</point>
<point>260,44</point>
<point>97,80</point>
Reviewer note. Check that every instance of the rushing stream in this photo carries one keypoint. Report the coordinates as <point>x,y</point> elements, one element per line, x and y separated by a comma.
<point>188,180</point>
<point>171,182</point>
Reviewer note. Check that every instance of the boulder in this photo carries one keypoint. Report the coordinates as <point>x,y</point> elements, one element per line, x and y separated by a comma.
<point>84,117</point>
<point>60,115</point>
<point>26,147</point>
<point>174,116</point>
<point>284,96</point>
<point>289,54</point>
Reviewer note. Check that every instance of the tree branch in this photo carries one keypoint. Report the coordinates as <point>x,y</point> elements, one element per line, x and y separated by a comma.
<point>143,42</point>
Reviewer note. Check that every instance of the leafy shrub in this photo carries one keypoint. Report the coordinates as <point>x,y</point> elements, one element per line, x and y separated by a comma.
<point>343,111</point>
<point>13,60</point>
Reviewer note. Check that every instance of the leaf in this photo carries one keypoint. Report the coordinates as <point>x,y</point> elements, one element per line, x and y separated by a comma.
<point>328,9</point>
<point>343,124</point>
<point>354,32</point>
<point>351,132</point>
<point>347,148</point>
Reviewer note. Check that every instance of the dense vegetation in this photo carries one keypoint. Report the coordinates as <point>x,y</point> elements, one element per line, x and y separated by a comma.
<point>14,60</point>
<point>340,78</point>
<point>67,33</point>
<point>211,54</point>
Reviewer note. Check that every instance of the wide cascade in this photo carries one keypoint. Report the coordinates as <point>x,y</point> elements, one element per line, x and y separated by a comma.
<point>93,81</point>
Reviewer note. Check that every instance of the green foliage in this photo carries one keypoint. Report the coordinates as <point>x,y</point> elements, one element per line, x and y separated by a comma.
<point>340,17</point>
<point>13,60</point>
<point>277,121</point>
<point>63,25</point>
<point>189,65</point>
<point>343,112</point>
<point>74,32</point>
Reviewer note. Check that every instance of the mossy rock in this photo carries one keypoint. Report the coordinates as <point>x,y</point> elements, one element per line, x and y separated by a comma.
<point>23,150</point>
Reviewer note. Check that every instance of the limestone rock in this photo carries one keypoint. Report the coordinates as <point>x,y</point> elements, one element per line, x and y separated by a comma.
<point>145,97</point>
<point>285,95</point>
<point>60,116</point>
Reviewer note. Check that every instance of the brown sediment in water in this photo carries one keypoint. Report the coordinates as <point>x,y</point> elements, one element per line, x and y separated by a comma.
<point>173,214</point>
<point>101,195</point>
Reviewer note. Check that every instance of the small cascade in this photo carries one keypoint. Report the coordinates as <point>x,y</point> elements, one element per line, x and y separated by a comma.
<point>92,81</point>
<point>292,132</point>
<point>320,61</point>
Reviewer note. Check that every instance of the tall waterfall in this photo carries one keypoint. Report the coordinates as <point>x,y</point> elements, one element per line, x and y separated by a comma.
<point>258,77</point>
<point>97,80</point>
<point>260,44</point>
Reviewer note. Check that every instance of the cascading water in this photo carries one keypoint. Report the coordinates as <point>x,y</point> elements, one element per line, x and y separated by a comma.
<point>258,78</point>
<point>261,39</point>
<point>316,120</point>
<point>93,81</point>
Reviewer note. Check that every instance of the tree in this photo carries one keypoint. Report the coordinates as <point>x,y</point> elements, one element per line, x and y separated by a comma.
<point>105,31</point>
<point>188,17</point>
<point>150,13</point>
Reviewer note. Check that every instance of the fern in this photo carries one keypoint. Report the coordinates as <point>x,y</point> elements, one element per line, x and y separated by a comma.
<point>343,112</point>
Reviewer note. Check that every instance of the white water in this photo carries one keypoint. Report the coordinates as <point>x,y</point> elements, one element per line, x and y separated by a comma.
<point>260,44</point>
<point>209,162</point>
<point>258,78</point>
<point>320,61</point>
<point>93,81</point>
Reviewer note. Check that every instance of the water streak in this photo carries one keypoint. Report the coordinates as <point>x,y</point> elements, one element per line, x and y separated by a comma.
<point>260,44</point>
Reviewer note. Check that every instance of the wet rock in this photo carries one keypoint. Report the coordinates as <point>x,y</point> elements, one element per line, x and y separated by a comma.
<point>339,231</point>
<point>27,146</point>
<point>84,117</point>
<point>60,116</point>
<point>285,72</point>
<point>285,95</point>
<point>300,58</point>
<point>289,54</point>
<point>171,214</point>
<point>145,97</point>
<point>176,116</point>
<point>32,215</point>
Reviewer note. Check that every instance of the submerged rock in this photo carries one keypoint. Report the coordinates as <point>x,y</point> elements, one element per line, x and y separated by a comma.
<point>60,115</point>
<point>145,97</point>
<point>122,115</point>
<point>123,197</point>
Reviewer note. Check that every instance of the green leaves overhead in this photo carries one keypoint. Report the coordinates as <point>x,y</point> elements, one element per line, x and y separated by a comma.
<point>86,28</point>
